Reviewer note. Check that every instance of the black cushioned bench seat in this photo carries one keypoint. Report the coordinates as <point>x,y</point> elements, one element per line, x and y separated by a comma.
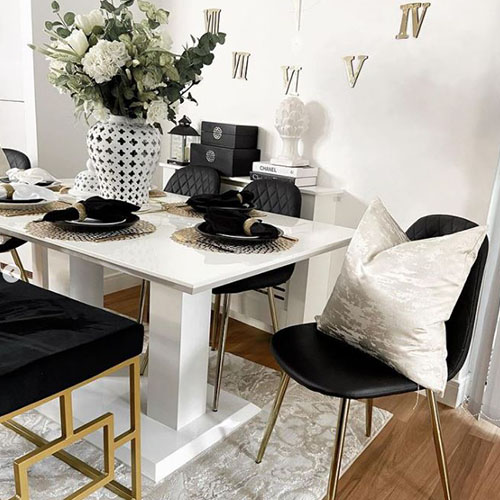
<point>49,343</point>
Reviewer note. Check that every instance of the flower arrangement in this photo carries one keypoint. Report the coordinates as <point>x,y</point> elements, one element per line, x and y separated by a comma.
<point>111,64</point>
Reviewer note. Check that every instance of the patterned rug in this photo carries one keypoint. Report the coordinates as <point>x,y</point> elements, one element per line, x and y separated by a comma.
<point>295,466</point>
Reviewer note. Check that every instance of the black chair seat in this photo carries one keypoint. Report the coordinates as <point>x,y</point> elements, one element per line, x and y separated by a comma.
<point>49,343</point>
<point>264,280</point>
<point>332,367</point>
<point>11,244</point>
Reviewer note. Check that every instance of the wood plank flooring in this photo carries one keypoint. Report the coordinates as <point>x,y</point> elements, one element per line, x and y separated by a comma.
<point>400,464</point>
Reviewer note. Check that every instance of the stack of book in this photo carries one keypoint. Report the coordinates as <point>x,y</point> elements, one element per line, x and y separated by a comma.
<point>300,176</point>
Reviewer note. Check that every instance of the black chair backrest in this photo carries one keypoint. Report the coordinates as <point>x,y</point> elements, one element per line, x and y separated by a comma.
<point>194,180</point>
<point>279,197</point>
<point>17,159</point>
<point>460,326</point>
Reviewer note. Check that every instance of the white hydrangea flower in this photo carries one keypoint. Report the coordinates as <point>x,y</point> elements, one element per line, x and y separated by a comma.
<point>104,60</point>
<point>157,112</point>
<point>78,42</point>
<point>90,21</point>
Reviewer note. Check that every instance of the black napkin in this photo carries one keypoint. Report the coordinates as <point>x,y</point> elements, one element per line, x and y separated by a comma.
<point>229,199</point>
<point>95,208</point>
<point>238,224</point>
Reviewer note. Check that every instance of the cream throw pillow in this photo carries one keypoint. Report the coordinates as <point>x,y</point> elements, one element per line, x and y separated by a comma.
<point>393,295</point>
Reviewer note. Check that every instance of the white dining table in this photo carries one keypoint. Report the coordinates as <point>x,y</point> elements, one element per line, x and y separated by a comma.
<point>177,422</point>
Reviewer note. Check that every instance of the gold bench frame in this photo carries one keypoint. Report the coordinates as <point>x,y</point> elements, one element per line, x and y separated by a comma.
<point>70,435</point>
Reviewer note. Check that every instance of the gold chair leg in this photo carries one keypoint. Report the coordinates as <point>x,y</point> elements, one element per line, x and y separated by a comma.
<point>438,443</point>
<point>19,265</point>
<point>272,308</point>
<point>339,448</point>
<point>369,417</point>
<point>215,323</point>
<point>285,379</point>
<point>221,349</point>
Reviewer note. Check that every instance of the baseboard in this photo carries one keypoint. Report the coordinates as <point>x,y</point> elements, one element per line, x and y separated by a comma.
<point>251,321</point>
<point>116,281</point>
<point>454,395</point>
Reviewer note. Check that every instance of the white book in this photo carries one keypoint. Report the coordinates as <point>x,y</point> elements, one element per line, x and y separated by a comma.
<point>266,167</point>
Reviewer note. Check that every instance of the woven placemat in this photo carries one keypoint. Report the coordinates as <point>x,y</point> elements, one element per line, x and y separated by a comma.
<point>55,205</point>
<point>186,211</point>
<point>49,230</point>
<point>191,238</point>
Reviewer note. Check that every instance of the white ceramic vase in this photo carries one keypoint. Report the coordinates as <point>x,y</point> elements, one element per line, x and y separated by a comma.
<point>125,154</point>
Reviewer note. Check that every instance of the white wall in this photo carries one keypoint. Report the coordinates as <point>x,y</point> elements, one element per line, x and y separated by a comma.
<point>12,123</point>
<point>422,127</point>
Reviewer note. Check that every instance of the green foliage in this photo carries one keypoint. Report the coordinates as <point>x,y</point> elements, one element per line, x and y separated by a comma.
<point>151,75</point>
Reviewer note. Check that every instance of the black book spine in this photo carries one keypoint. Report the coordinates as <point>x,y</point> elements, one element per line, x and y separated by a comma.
<point>255,176</point>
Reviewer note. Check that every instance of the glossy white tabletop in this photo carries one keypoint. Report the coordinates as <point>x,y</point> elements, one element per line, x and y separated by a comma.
<point>158,258</point>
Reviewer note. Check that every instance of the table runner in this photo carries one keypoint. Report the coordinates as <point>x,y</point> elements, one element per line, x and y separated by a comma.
<point>55,205</point>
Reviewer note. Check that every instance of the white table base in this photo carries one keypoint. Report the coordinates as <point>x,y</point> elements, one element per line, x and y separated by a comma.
<point>164,450</point>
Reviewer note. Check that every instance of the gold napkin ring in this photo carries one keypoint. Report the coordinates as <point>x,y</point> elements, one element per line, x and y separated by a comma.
<point>247,225</point>
<point>82,213</point>
<point>9,190</point>
<point>240,197</point>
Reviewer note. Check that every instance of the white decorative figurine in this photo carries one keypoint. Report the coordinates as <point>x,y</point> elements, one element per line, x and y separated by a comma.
<point>291,123</point>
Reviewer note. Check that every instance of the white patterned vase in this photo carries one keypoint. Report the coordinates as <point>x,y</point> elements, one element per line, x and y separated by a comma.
<point>125,153</point>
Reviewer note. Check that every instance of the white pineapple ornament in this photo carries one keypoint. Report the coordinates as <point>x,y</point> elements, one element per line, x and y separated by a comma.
<point>292,121</point>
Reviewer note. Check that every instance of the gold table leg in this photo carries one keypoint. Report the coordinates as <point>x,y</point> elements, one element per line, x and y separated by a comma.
<point>369,417</point>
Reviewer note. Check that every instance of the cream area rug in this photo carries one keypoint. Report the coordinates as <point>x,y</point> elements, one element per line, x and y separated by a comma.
<point>295,467</point>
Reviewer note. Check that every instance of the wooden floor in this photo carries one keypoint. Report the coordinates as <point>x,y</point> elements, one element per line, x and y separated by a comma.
<point>400,463</point>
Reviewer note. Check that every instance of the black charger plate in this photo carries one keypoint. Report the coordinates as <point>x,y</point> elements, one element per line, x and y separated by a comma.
<point>229,238</point>
<point>76,226</point>
<point>24,202</point>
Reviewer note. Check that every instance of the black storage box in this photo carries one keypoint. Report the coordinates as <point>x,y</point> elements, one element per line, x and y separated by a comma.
<point>229,162</point>
<point>225,135</point>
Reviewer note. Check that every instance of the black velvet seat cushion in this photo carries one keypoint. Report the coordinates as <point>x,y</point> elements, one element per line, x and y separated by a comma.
<point>49,343</point>
<point>264,280</point>
<point>11,244</point>
<point>334,368</point>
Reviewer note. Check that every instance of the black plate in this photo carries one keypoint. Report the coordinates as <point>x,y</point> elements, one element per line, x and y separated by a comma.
<point>78,227</point>
<point>202,229</point>
<point>24,202</point>
<point>203,208</point>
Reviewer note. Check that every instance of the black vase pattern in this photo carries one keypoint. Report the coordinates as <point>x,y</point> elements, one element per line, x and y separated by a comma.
<point>125,154</point>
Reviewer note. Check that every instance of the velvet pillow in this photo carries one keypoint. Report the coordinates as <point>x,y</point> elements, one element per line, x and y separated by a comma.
<point>393,295</point>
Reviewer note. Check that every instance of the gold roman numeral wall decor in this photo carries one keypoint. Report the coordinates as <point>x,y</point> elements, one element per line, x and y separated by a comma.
<point>240,65</point>
<point>353,74</point>
<point>291,77</point>
<point>417,19</point>
<point>212,21</point>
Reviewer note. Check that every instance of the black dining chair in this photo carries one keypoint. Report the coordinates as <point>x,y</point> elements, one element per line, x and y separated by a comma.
<point>187,181</point>
<point>331,367</point>
<point>273,196</point>
<point>16,159</point>
<point>50,346</point>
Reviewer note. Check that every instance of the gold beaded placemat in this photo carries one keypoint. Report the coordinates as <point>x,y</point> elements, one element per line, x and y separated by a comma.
<point>185,210</point>
<point>14,212</point>
<point>49,230</point>
<point>191,238</point>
